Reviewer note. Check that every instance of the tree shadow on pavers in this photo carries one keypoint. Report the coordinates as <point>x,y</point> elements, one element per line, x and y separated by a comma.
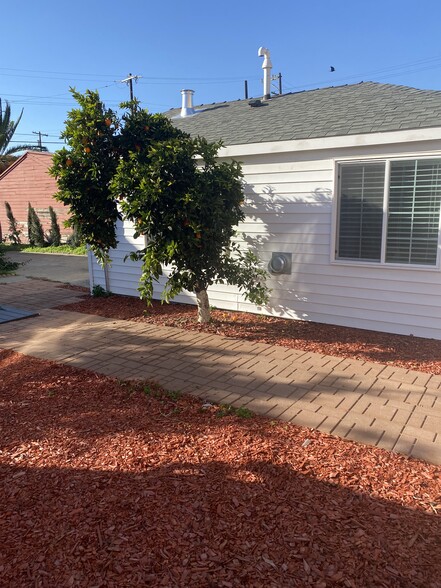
<point>203,371</point>
<point>56,400</point>
<point>329,339</point>
<point>40,294</point>
<point>120,346</point>
<point>187,523</point>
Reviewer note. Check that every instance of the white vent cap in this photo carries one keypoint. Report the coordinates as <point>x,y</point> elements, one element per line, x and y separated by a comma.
<point>187,103</point>
<point>266,66</point>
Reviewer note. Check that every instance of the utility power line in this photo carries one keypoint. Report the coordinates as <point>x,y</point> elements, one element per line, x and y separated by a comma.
<point>47,142</point>
<point>40,134</point>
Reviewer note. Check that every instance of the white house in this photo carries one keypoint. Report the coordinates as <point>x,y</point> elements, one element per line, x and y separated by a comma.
<point>346,181</point>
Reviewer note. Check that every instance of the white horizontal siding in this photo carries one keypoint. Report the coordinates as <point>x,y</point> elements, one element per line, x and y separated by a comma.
<point>288,207</point>
<point>308,176</point>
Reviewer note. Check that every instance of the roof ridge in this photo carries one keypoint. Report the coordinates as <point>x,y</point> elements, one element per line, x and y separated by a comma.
<point>350,109</point>
<point>307,91</point>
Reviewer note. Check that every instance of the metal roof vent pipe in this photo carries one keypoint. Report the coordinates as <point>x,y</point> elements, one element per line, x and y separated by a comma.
<point>187,103</point>
<point>266,66</point>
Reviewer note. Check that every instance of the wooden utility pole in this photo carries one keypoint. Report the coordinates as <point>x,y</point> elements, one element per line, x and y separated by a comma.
<point>40,144</point>
<point>129,81</point>
<point>278,78</point>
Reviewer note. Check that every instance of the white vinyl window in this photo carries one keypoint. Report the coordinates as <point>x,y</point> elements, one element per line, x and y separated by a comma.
<point>389,211</point>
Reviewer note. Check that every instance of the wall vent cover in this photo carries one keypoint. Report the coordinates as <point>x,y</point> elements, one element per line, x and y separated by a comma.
<point>281,263</point>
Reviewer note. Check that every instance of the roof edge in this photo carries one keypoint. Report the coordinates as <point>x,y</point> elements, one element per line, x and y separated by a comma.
<point>14,165</point>
<point>378,138</point>
<point>22,158</point>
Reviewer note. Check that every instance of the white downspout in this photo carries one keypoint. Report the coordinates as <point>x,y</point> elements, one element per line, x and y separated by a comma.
<point>266,66</point>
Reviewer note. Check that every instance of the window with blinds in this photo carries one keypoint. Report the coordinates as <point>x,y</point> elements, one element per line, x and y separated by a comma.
<point>413,215</point>
<point>411,197</point>
<point>361,211</point>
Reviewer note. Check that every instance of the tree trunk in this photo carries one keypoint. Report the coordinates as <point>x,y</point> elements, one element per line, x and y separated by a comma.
<point>203,306</point>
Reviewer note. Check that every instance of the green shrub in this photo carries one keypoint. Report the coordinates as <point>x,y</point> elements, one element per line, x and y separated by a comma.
<point>14,231</point>
<point>35,230</point>
<point>6,266</point>
<point>99,292</point>
<point>75,239</point>
<point>54,237</point>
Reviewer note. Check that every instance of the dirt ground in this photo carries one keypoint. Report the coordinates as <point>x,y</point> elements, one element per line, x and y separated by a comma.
<point>114,484</point>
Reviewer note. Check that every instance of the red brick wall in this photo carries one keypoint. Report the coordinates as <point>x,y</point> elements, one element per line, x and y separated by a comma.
<point>28,181</point>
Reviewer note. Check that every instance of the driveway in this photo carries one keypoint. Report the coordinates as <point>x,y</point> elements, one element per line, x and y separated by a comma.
<point>69,269</point>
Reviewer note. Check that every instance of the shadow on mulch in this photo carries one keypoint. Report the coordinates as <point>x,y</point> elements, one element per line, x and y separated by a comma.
<point>105,485</point>
<point>192,524</point>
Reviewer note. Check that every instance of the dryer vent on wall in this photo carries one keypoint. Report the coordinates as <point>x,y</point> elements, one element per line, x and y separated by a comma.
<point>281,263</point>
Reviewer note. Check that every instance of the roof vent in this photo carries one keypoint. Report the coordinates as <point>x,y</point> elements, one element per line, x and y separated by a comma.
<point>266,66</point>
<point>187,103</point>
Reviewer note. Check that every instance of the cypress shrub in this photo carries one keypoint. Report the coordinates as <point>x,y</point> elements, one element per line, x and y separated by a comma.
<point>54,233</point>
<point>75,239</point>
<point>14,231</point>
<point>35,230</point>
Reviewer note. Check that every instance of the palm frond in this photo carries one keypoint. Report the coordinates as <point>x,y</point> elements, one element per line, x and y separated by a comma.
<point>7,130</point>
<point>18,148</point>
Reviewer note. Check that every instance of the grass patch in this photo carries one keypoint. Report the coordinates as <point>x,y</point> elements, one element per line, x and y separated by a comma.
<point>174,395</point>
<point>229,410</point>
<point>160,393</point>
<point>61,249</point>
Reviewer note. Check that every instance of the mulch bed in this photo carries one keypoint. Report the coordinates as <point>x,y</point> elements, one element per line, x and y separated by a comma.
<point>413,353</point>
<point>110,484</point>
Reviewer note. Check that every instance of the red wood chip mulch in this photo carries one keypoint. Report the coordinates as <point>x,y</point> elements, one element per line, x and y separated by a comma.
<point>413,353</point>
<point>110,484</point>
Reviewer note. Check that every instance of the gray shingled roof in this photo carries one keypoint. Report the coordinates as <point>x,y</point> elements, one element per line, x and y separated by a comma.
<point>367,107</point>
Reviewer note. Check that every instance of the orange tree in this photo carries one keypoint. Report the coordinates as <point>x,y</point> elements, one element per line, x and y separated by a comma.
<point>84,170</point>
<point>175,191</point>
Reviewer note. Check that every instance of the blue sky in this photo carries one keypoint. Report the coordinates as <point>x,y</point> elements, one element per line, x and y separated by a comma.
<point>209,47</point>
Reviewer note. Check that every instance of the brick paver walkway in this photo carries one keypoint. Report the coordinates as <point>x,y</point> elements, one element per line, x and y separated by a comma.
<point>393,408</point>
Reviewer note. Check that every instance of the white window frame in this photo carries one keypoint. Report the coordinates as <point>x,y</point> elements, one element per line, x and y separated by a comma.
<point>387,160</point>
